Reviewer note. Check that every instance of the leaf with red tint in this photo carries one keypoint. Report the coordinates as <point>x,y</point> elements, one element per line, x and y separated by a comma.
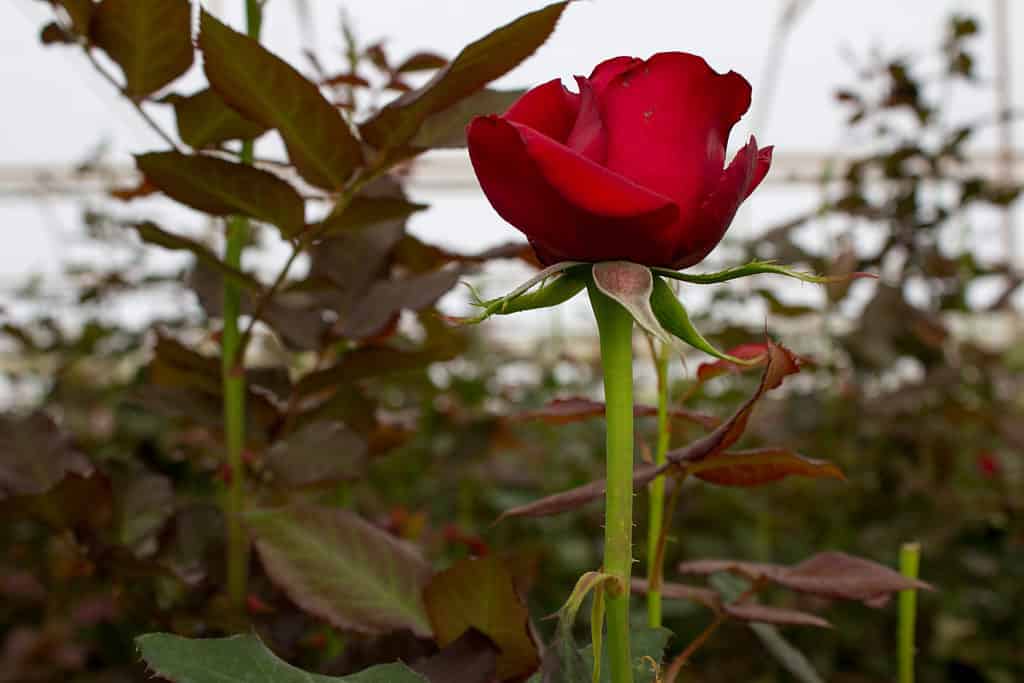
<point>781,363</point>
<point>205,120</point>
<point>266,89</point>
<point>421,61</point>
<point>35,456</point>
<point>143,189</point>
<point>579,496</point>
<point>761,466</point>
<point>473,658</point>
<point>679,591</point>
<point>151,233</point>
<point>346,79</point>
<point>765,614</point>
<point>418,256</point>
<point>53,34</point>
<point>447,128</point>
<point>151,41</point>
<point>320,453</point>
<point>480,593</point>
<point>364,211</point>
<point>80,12</point>
<point>759,352</point>
<point>475,66</point>
<point>343,569</point>
<point>220,187</point>
<point>576,408</point>
<point>829,575</point>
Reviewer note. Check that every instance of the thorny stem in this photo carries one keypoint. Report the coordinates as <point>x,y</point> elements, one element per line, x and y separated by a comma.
<point>910,555</point>
<point>656,495</point>
<point>615,329</point>
<point>233,377</point>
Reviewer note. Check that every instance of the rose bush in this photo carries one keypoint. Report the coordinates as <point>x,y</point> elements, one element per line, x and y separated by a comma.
<point>630,168</point>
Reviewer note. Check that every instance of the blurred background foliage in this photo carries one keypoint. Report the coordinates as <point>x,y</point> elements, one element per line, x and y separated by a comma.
<point>918,396</point>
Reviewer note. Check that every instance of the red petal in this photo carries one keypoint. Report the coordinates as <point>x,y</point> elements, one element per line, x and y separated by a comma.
<point>588,185</point>
<point>548,108</point>
<point>610,68</point>
<point>668,122</point>
<point>589,215</point>
<point>704,229</point>
<point>588,137</point>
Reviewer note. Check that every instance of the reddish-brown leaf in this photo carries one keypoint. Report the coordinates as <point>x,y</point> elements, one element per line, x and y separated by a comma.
<point>781,363</point>
<point>266,89</point>
<point>35,456</point>
<point>577,408</point>
<point>151,41</point>
<point>759,352</point>
<point>680,591</point>
<point>421,61</point>
<point>220,187</point>
<point>764,614</point>
<point>205,120</point>
<point>830,575</point>
<point>760,466</point>
<point>475,66</point>
<point>341,568</point>
<point>480,593</point>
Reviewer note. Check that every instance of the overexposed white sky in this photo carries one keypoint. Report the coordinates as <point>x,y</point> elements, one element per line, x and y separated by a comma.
<point>56,109</point>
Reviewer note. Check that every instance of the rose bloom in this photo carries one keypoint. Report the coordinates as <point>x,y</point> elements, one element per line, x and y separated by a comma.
<point>631,168</point>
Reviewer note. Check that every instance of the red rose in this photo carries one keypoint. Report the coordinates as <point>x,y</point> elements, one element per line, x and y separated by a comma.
<point>631,168</point>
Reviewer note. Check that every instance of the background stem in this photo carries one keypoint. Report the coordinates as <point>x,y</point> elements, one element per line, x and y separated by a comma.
<point>656,496</point>
<point>233,363</point>
<point>910,554</point>
<point>615,328</point>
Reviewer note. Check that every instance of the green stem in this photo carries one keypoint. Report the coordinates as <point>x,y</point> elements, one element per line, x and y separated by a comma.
<point>233,362</point>
<point>615,328</point>
<point>656,496</point>
<point>910,555</point>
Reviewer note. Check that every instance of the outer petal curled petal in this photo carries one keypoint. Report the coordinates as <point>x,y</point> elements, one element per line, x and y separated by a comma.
<point>567,206</point>
<point>704,229</point>
<point>668,122</point>
<point>549,109</point>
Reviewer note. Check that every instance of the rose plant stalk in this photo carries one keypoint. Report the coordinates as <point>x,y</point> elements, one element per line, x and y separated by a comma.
<point>628,174</point>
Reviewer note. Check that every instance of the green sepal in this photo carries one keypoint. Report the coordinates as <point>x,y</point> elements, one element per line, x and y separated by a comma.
<point>556,287</point>
<point>673,317</point>
<point>755,268</point>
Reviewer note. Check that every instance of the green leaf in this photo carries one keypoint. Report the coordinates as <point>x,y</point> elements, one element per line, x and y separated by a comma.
<point>266,89</point>
<point>756,268</point>
<point>244,659</point>
<point>150,233</point>
<point>205,120</point>
<point>343,569</point>
<point>221,187</point>
<point>478,64</point>
<point>151,41</point>
<point>569,283</point>
<point>447,129</point>
<point>648,648</point>
<point>480,593</point>
<point>672,316</point>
